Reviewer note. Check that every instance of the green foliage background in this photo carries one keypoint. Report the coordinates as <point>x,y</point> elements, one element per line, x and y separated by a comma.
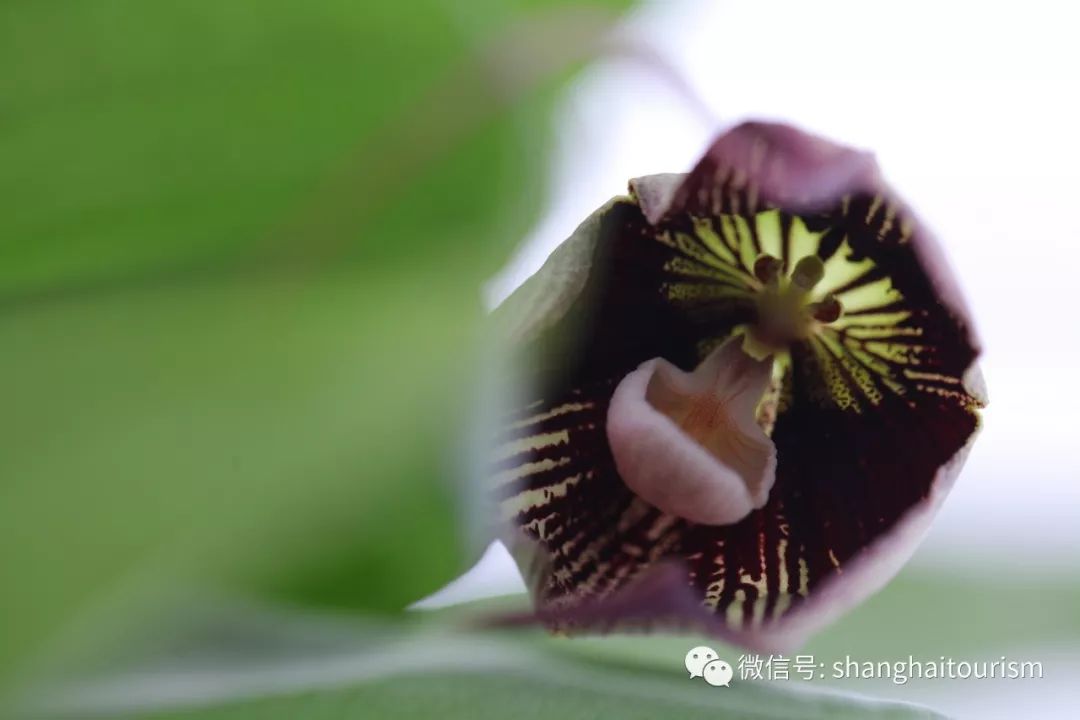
<point>238,293</point>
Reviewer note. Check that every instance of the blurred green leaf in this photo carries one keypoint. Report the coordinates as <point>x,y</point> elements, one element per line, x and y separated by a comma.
<point>976,614</point>
<point>1022,622</point>
<point>535,690</point>
<point>922,614</point>
<point>263,432</point>
<point>427,671</point>
<point>148,139</point>
<point>240,252</point>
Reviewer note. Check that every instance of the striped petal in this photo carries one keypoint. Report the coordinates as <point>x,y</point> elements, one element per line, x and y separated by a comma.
<point>871,406</point>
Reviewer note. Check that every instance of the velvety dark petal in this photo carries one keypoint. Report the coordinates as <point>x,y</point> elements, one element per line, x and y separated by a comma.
<point>880,263</point>
<point>871,413</point>
<point>633,294</point>
<point>757,165</point>
<point>554,474</point>
<point>565,496</point>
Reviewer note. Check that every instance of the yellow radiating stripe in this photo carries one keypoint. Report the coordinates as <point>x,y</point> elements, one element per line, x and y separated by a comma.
<point>840,390</point>
<point>716,588</point>
<point>748,253</point>
<point>655,552</point>
<point>553,413</point>
<point>713,593</point>
<point>531,442</point>
<point>569,544</point>
<point>582,558</point>
<point>878,365</point>
<point>875,205</point>
<point>783,602</point>
<point>662,524</point>
<point>863,379</point>
<point>731,236</point>
<point>916,375</point>
<point>768,227</point>
<point>882,332</point>
<point>538,526</point>
<point>726,282</point>
<point>526,469</point>
<point>803,242</point>
<point>898,353</point>
<point>875,294</point>
<point>704,230</point>
<point>762,587</point>
<point>687,292</point>
<point>689,246</point>
<point>589,554</point>
<point>888,221</point>
<point>692,246</point>
<point>839,270</point>
<point>781,555</point>
<point>735,611</point>
<point>540,496</point>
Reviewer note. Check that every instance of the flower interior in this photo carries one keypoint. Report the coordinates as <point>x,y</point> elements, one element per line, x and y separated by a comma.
<point>694,444</point>
<point>749,389</point>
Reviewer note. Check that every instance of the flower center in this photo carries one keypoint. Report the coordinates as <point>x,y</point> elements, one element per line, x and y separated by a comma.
<point>787,309</point>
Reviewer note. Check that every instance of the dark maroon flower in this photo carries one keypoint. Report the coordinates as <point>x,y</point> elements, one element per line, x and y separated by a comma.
<point>745,391</point>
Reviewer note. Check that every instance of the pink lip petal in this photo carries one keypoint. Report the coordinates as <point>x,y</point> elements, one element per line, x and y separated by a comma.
<point>687,443</point>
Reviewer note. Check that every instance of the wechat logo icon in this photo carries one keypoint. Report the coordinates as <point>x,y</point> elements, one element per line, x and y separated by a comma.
<point>703,662</point>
